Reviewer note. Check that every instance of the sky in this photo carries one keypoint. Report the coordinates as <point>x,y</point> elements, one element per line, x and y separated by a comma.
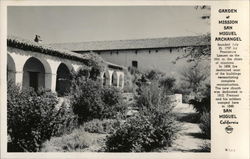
<point>57,24</point>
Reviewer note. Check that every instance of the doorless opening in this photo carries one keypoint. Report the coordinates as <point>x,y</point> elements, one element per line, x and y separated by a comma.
<point>33,76</point>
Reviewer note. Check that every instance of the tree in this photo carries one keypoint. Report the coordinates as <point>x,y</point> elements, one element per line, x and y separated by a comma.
<point>195,54</point>
<point>194,76</point>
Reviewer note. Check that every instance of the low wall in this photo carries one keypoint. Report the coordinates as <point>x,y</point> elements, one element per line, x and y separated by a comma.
<point>176,99</point>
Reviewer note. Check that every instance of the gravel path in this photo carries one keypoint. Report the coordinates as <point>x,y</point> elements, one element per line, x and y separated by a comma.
<point>189,139</point>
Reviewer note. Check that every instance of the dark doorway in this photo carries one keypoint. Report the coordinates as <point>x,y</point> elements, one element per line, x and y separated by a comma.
<point>63,80</point>
<point>33,76</point>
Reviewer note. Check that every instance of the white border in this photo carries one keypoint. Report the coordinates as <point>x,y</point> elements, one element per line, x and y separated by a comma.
<point>215,153</point>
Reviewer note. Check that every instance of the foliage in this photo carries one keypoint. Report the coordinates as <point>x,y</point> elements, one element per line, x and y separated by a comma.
<point>205,147</point>
<point>77,141</point>
<point>133,74</point>
<point>195,54</point>
<point>168,83</point>
<point>196,89</point>
<point>152,96</point>
<point>141,82</point>
<point>94,73</point>
<point>205,125</point>
<point>90,100</point>
<point>201,102</point>
<point>113,102</point>
<point>106,126</point>
<point>32,117</point>
<point>95,61</point>
<point>83,73</point>
<point>86,100</point>
<point>153,74</point>
<point>153,128</point>
<point>68,120</point>
<point>194,77</point>
<point>141,134</point>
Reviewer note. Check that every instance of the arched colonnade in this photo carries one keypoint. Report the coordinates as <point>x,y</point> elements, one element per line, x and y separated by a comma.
<point>113,78</point>
<point>50,73</point>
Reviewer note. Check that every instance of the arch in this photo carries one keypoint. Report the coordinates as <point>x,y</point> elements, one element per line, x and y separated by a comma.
<point>114,79</point>
<point>11,69</point>
<point>70,67</point>
<point>106,78</point>
<point>121,80</point>
<point>63,79</point>
<point>34,71</point>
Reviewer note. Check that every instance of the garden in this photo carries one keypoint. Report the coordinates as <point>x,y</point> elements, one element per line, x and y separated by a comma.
<point>94,118</point>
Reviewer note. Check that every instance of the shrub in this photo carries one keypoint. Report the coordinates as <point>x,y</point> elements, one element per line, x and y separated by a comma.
<point>86,100</point>
<point>168,83</point>
<point>153,128</point>
<point>205,125</point>
<point>78,140</point>
<point>32,117</point>
<point>106,126</point>
<point>152,97</point>
<point>94,126</point>
<point>194,77</point>
<point>201,102</point>
<point>113,102</point>
<point>205,147</point>
<point>92,101</point>
<point>68,120</point>
<point>157,77</point>
<point>141,134</point>
<point>154,75</point>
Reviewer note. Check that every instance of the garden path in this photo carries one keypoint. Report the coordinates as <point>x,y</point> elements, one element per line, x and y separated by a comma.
<point>189,139</point>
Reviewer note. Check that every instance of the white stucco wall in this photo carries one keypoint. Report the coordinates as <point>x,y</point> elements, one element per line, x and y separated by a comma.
<point>162,60</point>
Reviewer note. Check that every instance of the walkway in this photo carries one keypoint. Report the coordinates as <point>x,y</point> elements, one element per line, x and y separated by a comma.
<point>189,138</point>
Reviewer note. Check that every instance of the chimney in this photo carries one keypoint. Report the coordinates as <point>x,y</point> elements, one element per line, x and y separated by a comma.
<point>37,39</point>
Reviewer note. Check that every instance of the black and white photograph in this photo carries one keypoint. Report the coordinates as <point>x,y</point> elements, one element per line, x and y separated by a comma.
<point>109,79</point>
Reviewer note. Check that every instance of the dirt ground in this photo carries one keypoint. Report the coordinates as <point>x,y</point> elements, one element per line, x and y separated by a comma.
<point>189,139</point>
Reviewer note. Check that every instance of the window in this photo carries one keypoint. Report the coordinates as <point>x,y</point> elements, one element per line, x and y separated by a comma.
<point>135,64</point>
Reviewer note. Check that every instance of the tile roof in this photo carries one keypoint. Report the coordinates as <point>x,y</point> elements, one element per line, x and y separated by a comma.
<point>24,44</point>
<point>170,42</point>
